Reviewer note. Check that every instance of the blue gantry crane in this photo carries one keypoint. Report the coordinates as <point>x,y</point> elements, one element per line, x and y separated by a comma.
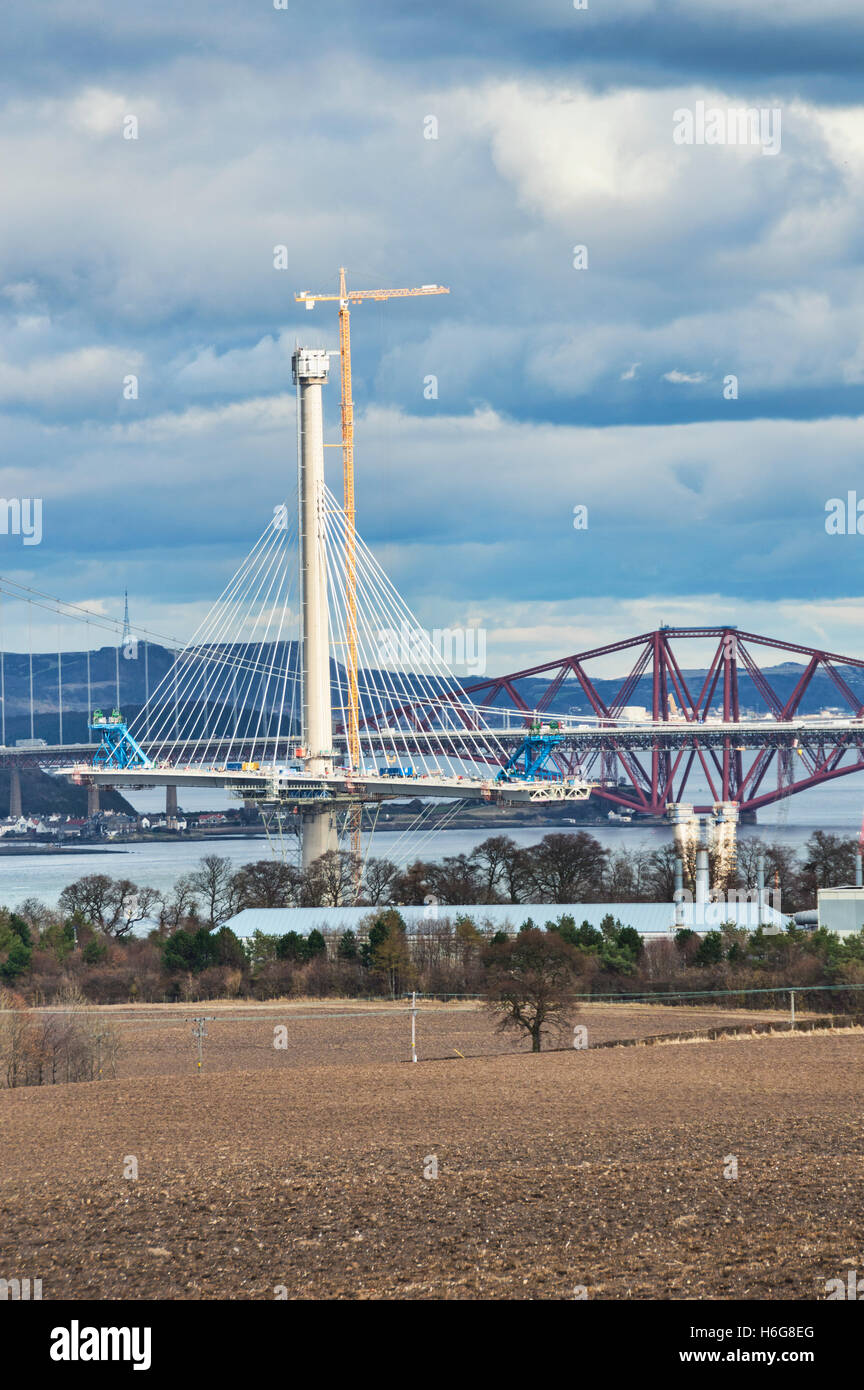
<point>118,748</point>
<point>533,756</point>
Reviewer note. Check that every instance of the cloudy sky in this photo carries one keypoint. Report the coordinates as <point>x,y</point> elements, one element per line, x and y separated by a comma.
<point>558,386</point>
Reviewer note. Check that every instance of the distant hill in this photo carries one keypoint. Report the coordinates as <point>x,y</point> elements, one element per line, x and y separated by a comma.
<point>41,795</point>
<point>822,693</point>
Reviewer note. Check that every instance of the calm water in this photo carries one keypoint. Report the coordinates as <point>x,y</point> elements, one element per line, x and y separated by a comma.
<point>836,808</point>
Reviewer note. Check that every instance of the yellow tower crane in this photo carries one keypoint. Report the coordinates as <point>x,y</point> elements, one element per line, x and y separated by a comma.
<point>344,298</point>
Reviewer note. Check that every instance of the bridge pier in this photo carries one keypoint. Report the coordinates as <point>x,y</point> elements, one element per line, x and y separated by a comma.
<point>14,791</point>
<point>317,835</point>
<point>92,800</point>
<point>171,806</point>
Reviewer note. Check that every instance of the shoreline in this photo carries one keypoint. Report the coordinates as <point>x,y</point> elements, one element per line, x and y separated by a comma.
<point>98,846</point>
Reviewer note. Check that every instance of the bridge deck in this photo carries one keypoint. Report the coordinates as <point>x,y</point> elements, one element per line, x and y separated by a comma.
<point>268,783</point>
<point>575,732</point>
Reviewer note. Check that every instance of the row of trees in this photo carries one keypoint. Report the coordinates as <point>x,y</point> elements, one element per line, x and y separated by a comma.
<point>531,980</point>
<point>447,955</point>
<point>560,868</point>
<point>572,868</point>
<point>119,940</point>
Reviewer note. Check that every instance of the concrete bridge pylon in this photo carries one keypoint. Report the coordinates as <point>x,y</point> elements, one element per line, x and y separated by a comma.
<point>310,368</point>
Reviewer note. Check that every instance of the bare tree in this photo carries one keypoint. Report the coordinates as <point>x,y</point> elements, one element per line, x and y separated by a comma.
<point>829,860</point>
<point>516,875</point>
<point>212,883</point>
<point>630,877</point>
<point>114,905</point>
<point>529,979</point>
<point>620,879</point>
<point>661,874</point>
<point>38,916</point>
<point>132,905</point>
<point>568,868</point>
<point>747,858</point>
<point>329,881</point>
<point>90,896</point>
<point>13,1039</point>
<point>182,904</point>
<point>266,883</point>
<point>491,858</point>
<point>379,877</point>
<point>455,880</point>
<point>412,885</point>
<point>66,1044</point>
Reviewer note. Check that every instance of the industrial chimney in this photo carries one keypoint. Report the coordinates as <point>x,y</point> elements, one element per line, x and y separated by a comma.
<point>678,894</point>
<point>760,887</point>
<point>702,879</point>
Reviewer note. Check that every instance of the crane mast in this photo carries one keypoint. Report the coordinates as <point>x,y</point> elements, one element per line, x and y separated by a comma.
<point>344,298</point>
<point>353,730</point>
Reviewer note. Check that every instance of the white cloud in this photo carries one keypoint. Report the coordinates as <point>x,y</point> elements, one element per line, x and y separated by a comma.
<point>678,377</point>
<point>239,370</point>
<point>20,293</point>
<point>87,377</point>
<point>540,632</point>
<point>99,111</point>
<point>261,415</point>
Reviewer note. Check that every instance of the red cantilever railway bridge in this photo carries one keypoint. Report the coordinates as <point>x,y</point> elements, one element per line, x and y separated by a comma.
<point>694,726</point>
<point>643,767</point>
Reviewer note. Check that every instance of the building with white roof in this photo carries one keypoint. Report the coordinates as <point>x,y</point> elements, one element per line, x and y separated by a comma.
<point>651,920</point>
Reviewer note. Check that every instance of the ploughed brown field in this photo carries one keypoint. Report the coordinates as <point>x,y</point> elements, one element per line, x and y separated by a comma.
<point>156,1040</point>
<point>301,1171</point>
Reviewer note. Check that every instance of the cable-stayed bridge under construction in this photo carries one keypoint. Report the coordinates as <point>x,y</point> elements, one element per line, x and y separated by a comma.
<point>293,695</point>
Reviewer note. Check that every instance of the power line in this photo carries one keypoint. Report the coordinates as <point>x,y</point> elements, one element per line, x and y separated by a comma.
<point>13,589</point>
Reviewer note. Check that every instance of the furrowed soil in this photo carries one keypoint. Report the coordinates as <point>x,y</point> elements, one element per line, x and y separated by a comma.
<point>603,1169</point>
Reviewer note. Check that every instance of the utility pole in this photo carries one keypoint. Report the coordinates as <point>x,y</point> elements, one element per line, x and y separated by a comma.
<point>99,1037</point>
<point>199,1032</point>
<point>414,1026</point>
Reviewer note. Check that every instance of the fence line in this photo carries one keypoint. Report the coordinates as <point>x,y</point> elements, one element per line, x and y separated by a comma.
<point>640,996</point>
<point>36,1012</point>
<point>706,993</point>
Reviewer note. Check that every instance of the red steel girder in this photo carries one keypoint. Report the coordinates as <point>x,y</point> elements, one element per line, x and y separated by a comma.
<point>670,768</point>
